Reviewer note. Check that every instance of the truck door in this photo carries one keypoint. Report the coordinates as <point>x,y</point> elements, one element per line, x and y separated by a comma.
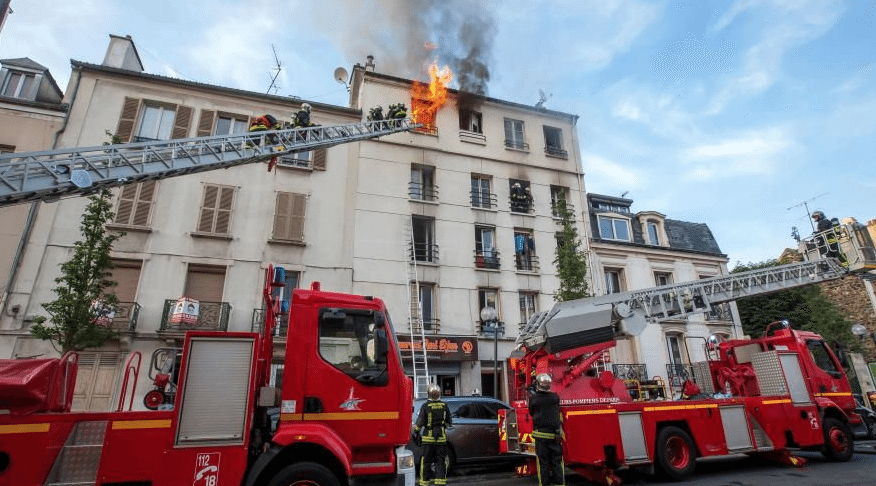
<point>826,376</point>
<point>349,386</point>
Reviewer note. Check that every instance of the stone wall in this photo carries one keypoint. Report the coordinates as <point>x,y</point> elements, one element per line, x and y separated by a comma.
<point>850,295</point>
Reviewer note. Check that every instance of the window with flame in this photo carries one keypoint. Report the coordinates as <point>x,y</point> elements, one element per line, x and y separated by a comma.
<point>424,112</point>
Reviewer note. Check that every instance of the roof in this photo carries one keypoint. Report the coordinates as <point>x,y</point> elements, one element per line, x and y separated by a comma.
<point>212,87</point>
<point>24,62</point>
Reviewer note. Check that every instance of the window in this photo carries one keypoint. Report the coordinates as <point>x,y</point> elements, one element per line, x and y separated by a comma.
<point>613,280</point>
<point>231,125</point>
<point>205,283</point>
<point>19,85</point>
<point>662,278</point>
<point>514,134</point>
<point>553,142</point>
<point>675,346</point>
<point>486,255</point>
<point>135,204</point>
<point>126,275</point>
<point>821,356</point>
<point>422,185</point>
<point>524,250</point>
<point>424,111</point>
<point>155,123</point>
<point>520,195</point>
<point>216,209</point>
<point>289,216</point>
<point>558,196</point>
<point>652,233</point>
<point>528,306</point>
<point>614,228</point>
<point>426,307</point>
<point>355,341</point>
<point>480,192</point>
<point>611,207</point>
<point>470,121</point>
<point>424,249</point>
<point>488,298</point>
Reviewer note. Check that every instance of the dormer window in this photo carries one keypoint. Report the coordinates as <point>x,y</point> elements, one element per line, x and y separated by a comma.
<point>614,228</point>
<point>653,233</point>
<point>19,85</point>
<point>653,230</point>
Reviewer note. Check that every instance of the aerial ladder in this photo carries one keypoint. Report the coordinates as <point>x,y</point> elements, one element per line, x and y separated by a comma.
<point>49,175</point>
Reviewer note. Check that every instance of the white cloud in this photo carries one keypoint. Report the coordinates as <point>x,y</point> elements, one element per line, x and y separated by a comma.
<point>758,152</point>
<point>607,174</point>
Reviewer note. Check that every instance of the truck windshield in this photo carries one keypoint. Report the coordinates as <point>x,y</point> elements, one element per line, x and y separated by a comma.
<point>821,356</point>
<point>356,343</point>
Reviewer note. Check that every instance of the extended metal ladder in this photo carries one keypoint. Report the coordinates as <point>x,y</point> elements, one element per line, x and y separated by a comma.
<point>48,175</point>
<point>419,362</point>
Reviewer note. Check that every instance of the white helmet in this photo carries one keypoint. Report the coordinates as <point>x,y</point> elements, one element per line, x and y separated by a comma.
<point>434,392</point>
<point>543,382</point>
<point>305,107</point>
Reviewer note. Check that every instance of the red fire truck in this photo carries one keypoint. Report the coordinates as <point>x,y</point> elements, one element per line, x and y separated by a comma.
<point>345,403</point>
<point>785,390</point>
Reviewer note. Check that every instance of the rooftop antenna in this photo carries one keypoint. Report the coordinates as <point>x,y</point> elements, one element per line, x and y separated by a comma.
<point>806,205</point>
<point>542,97</point>
<point>279,68</point>
<point>625,193</point>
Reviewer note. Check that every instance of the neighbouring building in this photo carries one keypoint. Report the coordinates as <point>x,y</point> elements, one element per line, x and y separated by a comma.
<point>632,251</point>
<point>31,117</point>
<point>452,218</point>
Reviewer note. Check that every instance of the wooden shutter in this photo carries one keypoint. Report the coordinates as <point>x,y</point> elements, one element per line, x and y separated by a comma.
<point>205,126</point>
<point>125,129</point>
<point>216,209</point>
<point>126,204</point>
<point>319,156</point>
<point>281,216</point>
<point>289,216</point>
<point>95,381</point>
<point>182,121</point>
<point>205,282</point>
<point>296,220</point>
<point>126,275</point>
<point>143,205</point>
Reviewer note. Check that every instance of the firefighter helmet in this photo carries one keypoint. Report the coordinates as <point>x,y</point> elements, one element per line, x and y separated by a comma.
<point>434,392</point>
<point>306,107</point>
<point>543,382</point>
<point>818,215</point>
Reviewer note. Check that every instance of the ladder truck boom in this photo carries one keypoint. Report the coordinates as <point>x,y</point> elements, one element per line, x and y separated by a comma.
<point>48,175</point>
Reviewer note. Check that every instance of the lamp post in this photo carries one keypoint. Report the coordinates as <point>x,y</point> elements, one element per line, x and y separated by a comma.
<point>860,330</point>
<point>489,316</point>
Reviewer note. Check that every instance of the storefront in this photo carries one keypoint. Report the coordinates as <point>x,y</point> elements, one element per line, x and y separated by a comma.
<point>450,360</point>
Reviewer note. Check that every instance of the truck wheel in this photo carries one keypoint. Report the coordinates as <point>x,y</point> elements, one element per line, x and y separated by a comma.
<point>305,474</point>
<point>838,442</point>
<point>675,453</point>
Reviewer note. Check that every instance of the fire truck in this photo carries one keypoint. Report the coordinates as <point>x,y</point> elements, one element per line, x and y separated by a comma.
<point>769,395</point>
<point>341,416</point>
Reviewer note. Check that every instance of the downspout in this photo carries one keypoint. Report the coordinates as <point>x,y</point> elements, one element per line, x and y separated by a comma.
<point>34,206</point>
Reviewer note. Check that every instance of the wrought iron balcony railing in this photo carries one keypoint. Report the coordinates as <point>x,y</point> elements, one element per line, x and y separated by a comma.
<point>125,318</point>
<point>526,262</point>
<point>516,145</point>
<point>556,209</point>
<point>489,328</point>
<point>212,316</point>
<point>630,371</point>
<point>422,192</point>
<point>526,206</point>
<point>556,152</point>
<point>487,259</point>
<point>258,323</point>
<point>423,252</point>
<point>719,312</point>
<point>483,200</point>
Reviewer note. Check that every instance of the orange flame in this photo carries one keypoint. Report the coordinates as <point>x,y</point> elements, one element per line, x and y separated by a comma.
<point>427,99</point>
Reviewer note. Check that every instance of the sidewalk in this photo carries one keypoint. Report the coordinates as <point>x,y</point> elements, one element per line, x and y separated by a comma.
<point>865,447</point>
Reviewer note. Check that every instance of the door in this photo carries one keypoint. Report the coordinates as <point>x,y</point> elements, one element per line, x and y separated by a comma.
<point>96,381</point>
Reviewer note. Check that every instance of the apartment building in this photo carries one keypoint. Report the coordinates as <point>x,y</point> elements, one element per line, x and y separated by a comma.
<point>430,211</point>
<point>638,250</point>
<point>31,115</point>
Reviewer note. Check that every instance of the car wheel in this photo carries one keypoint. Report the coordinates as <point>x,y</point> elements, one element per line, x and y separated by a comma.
<point>838,442</point>
<point>871,428</point>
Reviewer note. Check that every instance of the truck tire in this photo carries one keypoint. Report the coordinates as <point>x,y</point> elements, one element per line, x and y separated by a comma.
<point>305,474</point>
<point>675,454</point>
<point>838,442</point>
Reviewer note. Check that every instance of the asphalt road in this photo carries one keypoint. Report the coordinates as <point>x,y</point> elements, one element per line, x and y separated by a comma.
<point>737,470</point>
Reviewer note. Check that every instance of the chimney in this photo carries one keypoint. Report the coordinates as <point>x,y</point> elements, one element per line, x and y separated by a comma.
<point>369,62</point>
<point>121,53</point>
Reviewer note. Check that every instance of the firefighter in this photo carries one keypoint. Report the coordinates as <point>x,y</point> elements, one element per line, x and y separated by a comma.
<point>261,124</point>
<point>547,430</point>
<point>302,118</point>
<point>821,221</point>
<point>826,238</point>
<point>434,418</point>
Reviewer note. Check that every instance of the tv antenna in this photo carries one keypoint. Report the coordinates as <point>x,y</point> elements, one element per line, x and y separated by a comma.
<point>279,68</point>
<point>806,205</point>
<point>542,98</point>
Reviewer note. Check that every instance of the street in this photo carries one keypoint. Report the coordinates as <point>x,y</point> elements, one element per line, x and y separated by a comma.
<point>739,470</point>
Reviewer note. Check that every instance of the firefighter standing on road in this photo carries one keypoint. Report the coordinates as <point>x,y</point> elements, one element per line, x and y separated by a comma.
<point>434,418</point>
<point>547,430</point>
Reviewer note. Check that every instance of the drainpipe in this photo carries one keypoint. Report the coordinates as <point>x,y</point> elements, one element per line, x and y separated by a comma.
<point>34,207</point>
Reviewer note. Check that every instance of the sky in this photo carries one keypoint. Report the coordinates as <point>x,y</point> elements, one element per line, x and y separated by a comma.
<point>740,114</point>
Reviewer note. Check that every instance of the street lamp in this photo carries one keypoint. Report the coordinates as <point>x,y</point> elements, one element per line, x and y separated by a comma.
<point>490,316</point>
<point>860,330</point>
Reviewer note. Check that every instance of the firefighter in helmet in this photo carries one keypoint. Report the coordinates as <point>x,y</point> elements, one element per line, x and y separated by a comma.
<point>547,430</point>
<point>261,124</point>
<point>826,237</point>
<point>822,223</point>
<point>302,118</point>
<point>434,418</point>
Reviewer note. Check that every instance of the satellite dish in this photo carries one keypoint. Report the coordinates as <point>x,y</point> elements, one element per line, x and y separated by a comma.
<point>341,75</point>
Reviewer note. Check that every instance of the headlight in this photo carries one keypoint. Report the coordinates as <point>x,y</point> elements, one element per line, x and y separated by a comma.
<point>404,459</point>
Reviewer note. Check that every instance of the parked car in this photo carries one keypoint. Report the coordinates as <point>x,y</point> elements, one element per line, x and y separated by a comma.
<point>473,439</point>
<point>869,417</point>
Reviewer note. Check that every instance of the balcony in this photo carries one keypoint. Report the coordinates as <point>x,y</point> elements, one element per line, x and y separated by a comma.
<point>516,145</point>
<point>556,152</point>
<point>640,387</point>
<point>489,329</point>
<point>422,192</point>
<point>488,259</point>
<point>483,200</point>
<point>719,312</point>
<point>557,208</point>
<point>125,318</point>
<point>423,252</point>
<point>526,262</point>
<point>431,326</point>
<point>522,206</point>
<point>258,323</point>
<point>299,160</point>
<point>212,316</point>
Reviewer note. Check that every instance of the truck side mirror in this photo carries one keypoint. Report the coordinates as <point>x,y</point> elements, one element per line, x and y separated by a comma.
<point>379,321</point>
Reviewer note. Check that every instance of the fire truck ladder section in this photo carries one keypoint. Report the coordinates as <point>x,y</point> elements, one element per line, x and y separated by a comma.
<point>419,362</point>
<point>593,320</point>
<point>49,175</point>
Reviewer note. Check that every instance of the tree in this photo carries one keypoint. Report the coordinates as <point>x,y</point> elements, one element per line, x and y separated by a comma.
<point>570,259</point>
<point>806,307</point>
<point>82,297</point>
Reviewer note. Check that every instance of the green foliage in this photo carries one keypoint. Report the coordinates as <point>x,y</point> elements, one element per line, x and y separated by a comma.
<point>84,280</point>
<point>806,307</point>
<point>570,259</point>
